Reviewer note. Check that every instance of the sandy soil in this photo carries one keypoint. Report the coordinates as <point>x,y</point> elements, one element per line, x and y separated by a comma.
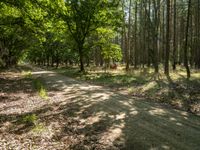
<point>79,115</point>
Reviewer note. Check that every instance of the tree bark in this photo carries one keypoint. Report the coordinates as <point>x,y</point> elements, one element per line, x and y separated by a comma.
<point>174,39</point>
<point>167,50</point>
<point>80,50</point>
<point>186,42</point>
<point>129,38</point>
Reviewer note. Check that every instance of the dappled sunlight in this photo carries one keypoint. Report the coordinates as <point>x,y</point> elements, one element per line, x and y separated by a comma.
<point>179,124</point>
<point>84,115</point>
<point>184,114</point>
<point>43,131</point>
<point>120,116</point>
<point>165,147</point>
<point>112,134</point>
<point>196,75</point>
<point>133,112</point>
<point>100,96</point>
<point>93,119</point>
<point>172,119</point>
<point>149,86</point>
<point>43,72</point>
<point>157,111</point>
<point>126,103</point>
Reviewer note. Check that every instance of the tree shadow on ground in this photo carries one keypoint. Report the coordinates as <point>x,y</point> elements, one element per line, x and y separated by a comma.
<point>94,117</point>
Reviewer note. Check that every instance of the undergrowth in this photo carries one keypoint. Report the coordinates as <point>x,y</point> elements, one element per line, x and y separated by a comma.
<point>39,86</point>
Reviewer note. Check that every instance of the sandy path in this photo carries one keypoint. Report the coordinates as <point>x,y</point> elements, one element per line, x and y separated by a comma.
<point>82,116</point>
<point>116,121</point>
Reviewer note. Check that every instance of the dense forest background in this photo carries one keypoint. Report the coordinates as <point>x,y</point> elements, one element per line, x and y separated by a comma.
<point>139,33</point>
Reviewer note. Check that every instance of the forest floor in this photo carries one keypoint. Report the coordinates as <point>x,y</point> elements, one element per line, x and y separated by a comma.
<point>42,109</point>
<point>175,91</point>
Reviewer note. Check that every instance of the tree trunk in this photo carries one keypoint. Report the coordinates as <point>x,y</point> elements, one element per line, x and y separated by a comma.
<point>80,50</point>
<point>167,50</point>
<point>174,39</point>
<point>155,37</point>
<point>186,42</point>
<point>135,36</point>
<point>129,39</point>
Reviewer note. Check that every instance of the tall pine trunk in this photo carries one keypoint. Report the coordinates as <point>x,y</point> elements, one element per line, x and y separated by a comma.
<point>128,49</point>
<point>174,39</point>
<point>186,42</point>
<point>167,50</point>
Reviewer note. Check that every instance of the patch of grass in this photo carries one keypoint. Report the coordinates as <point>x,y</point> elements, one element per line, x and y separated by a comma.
<point>39,128</point>
<point>38,85</point>
<point>70,72</point>
<point>43,93</point>
<point>121,80</point>
<point>130,90</point>
<point>27,74</point>
<point>29,119</point>
<point>110,78</point>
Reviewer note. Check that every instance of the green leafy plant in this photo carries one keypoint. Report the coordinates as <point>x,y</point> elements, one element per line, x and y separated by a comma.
<point>30,119</point>
<point>40,88</point>
<point>27,74</point>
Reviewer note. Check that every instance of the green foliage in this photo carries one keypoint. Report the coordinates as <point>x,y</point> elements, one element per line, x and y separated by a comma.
<point>27,74</point>
<point>109,50</point>
<point>111,79</point>
<point>46,31</point>
<point>40,89</point>
<point>39,128</point>
<point>112,51</point>
<point>16,30</point>
<point>30,119</point>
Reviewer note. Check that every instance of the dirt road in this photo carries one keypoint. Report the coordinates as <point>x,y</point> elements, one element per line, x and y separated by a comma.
<point>84,116</point>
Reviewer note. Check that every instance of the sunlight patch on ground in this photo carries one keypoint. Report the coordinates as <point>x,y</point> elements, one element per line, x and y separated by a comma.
<point>157,111</point>
<point>42,130</point>
<point>89,87</point>
<point>102,96</point>
<point>128,104</point>
<point>179,124</point>
<point>184,113</point>
<point>165,147</point>
<point>149,86</point>
<point>133,112</point>
<point>112,134</point>
<point>27,74</point>
<point>172,119</point>
<point>196,75</point>
<point>93,119</point>
<point>43,72</point>
<point>120,116</point>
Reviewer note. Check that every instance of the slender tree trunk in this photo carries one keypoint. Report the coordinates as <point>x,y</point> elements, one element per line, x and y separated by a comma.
<point>167,50</point>
<point>174,39</point>
<point>124,39</point>
<point>155,37</point>
<point>186,42</point>
<point>80,50</point>
<point>129,38</point>
<point>163,35</point>
<point>135,36</point>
